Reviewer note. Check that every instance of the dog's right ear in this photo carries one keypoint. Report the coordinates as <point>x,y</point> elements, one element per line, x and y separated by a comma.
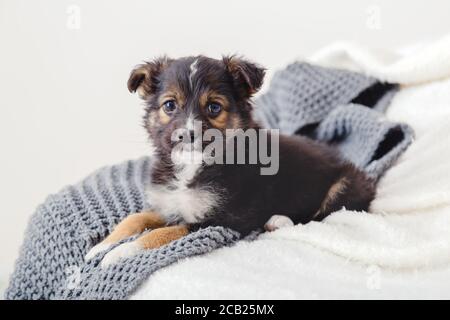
<point>144,78</point>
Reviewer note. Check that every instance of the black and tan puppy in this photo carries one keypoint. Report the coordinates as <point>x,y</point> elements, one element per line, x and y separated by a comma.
<point>310,182</point>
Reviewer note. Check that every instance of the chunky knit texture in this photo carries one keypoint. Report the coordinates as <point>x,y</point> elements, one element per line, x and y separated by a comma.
<point>51,263</point>
<point>317,101</point>
<point>120,280</point>
<point>61,231</point>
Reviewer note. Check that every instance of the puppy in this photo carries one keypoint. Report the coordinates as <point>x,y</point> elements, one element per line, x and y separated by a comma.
<point>188,97</point>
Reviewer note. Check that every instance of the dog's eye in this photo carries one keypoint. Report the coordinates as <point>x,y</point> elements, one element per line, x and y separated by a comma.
<point>169,106</point>
<point>214,109</point>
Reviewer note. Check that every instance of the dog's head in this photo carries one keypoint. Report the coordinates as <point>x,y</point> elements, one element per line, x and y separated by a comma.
<point>181,92</point>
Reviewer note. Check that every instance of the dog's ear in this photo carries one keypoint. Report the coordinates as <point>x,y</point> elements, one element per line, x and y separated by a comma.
<point>144,78</point>
<point>248,76</point>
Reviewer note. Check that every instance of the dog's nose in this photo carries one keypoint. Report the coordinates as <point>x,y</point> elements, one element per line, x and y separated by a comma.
<point>191,136</point>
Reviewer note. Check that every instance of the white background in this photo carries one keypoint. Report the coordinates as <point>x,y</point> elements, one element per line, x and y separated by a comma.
<point>64,106</point>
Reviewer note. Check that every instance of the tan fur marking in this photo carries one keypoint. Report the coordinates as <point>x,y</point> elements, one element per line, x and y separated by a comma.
<point>221,120</point>
<point>222,100</point>
<point>211,96</point>
<point>162,236</point>
<point>164,118</point>
<point>172,94</point>
<point>336,189</point>
<point>203,100</point>
<point>134,224</point>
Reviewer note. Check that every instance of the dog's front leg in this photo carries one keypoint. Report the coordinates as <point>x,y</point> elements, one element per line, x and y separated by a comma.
<point>152,240</point>
<point>131,225</point>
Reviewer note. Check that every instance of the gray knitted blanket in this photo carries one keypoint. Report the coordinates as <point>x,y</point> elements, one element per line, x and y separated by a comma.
<point>338,107</point>
<point>325,104</point>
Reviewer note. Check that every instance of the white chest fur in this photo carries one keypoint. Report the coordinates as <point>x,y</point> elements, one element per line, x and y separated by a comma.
<point>176,201</point>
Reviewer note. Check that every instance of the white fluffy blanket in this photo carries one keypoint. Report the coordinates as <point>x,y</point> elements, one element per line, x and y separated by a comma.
<point>400,250</point>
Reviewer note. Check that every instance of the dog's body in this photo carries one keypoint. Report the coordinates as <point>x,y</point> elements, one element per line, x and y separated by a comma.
<point>312,180</point>
<point>311,183</point>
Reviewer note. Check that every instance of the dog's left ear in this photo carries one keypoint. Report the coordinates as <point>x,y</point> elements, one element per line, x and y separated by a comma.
<point>144,78</point>
<point>247,75</point>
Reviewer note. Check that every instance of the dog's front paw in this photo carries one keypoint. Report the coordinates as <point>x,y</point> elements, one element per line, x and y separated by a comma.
<point>96,250</point>
<point>122,251</point>
<point>277,222</point>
